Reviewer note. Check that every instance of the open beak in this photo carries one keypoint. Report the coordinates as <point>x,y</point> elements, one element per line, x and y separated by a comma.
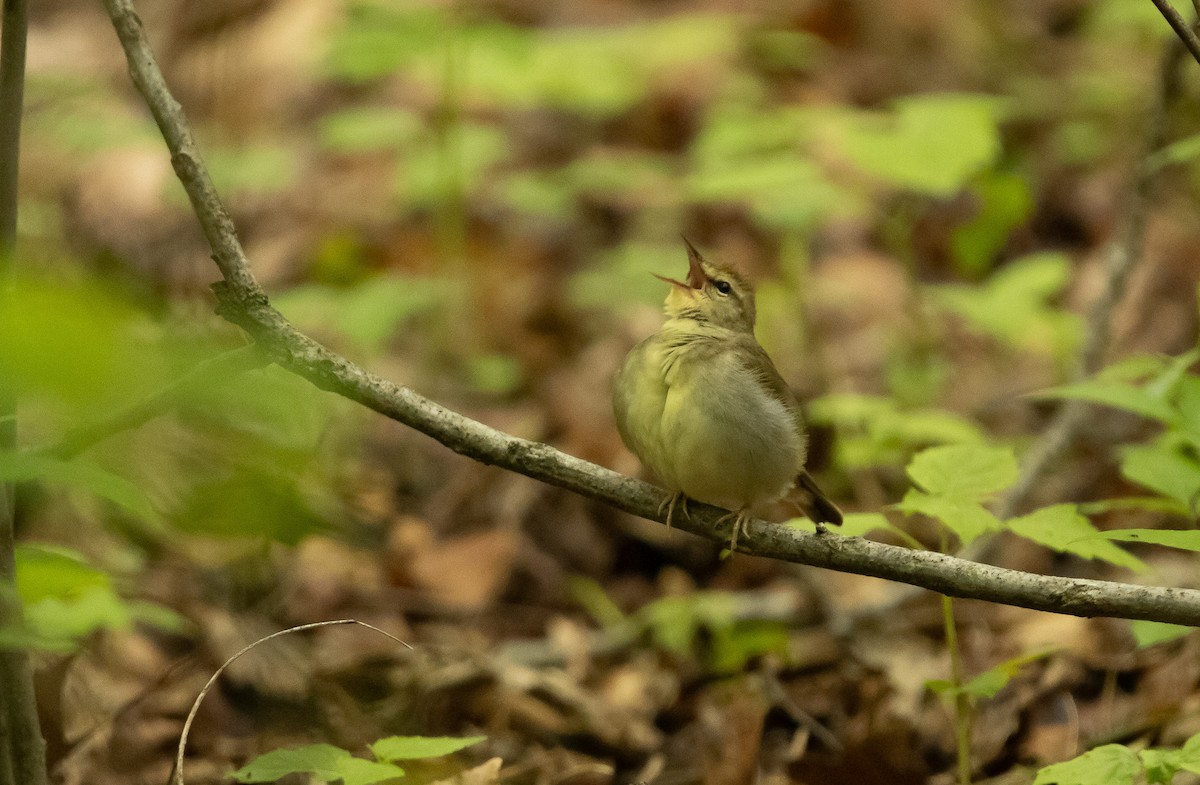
<point>695,277</point>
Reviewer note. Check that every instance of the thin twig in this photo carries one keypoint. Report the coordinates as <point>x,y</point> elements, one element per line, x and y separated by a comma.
<point>177,773</point>
<point>1181,28</point>
<point>22,749</point>
<point>243,303</point>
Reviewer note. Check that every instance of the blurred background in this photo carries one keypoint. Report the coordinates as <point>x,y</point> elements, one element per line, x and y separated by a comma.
<point>469,198</point>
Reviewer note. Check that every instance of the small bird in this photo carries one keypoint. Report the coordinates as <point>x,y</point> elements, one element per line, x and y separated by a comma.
<point>703,407</point>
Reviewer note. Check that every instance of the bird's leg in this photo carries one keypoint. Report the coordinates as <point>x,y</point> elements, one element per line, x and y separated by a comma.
<point>740,519</point>
<point>677,498</point>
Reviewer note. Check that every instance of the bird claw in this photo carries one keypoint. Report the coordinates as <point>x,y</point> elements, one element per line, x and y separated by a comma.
<point>740,519</point>
<point>676,499</point>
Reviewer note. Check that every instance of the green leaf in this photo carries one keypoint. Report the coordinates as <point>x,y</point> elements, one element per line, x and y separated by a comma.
<point>592,598</point>
<point>1112,764</point>
<point>1188,540</point>
<point>495,374</point>
<point>931,144</point>
<point>1005,203</point>
<point>1060,527</point>
<point>1149,633</point>
<point>1118,395</point>
<point>994,679</point>
<point>414,747</point>
<point>50,571</point>
<point>1168,471</point>
<point>20,467</point>
<point>369,128</point>
<point>964,471</point>
<point>1161,766</point>
<point>1013,305</point>
<point>324,761</point>
<point>964,516</point>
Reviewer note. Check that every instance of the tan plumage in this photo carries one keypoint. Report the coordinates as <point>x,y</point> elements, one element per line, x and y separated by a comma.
<point>702,405</point>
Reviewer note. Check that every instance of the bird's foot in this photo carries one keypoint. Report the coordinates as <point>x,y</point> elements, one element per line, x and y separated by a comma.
<point>740,519</point>
<point>677,499</point>
<point>821,528</point>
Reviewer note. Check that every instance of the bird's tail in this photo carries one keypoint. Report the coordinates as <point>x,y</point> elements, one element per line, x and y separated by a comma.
<point>813,502</point>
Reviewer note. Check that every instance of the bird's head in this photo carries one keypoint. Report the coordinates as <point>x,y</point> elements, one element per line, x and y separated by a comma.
<point>713,294</point>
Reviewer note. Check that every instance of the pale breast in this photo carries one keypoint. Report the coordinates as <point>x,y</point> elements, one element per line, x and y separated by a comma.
<point>639,397</point>
<point>732,443</point>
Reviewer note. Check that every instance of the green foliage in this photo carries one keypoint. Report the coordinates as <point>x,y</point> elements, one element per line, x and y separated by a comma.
<point>366,129</point>
<point>1005,202</point>
<point>930,144</point>
<point>953,482</point>
<point>1112,764</point>
<point>367,313</point>
<point>65,599</point>
<point>115,350</point>
<point>754,155</point>
<point>1116,764</point>
<point>991,681</point>
<point>250,168</point>
<point>516,67</point>
<point>415,747</point>
<point>1013,305</point>
<point>324,762</point>
<point>331,764</point>
<point>1062,528</point>
<point>1164,390</point>
<point>23,467</point>
<point>437,168</point>
<point>964,471</point>
<point>1149,633</point>
<point>878,431</point>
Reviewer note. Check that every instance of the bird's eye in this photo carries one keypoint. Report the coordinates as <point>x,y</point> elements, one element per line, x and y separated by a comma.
<point>723,287</point>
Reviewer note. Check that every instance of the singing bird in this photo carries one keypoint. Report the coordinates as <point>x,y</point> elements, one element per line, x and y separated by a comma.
<point>704,408</point>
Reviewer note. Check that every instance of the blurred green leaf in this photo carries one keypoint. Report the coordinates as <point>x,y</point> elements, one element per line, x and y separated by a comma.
<point>369,128</point>
<point>433,171</point>
<point>66,598</point>
<point>878,431</point>
<point>1060,527</point>
<point>21,467</point>
<point>323,761</point>
<point>991,681</point>
<point>415,747</point>
<point>1119,395</point>
<point>494,374</point>
<point>250,168</point>
<point>81,342</point>
<point>45,571</point>
<point>1165,469</point>
<point>1149,633</point>
<point>931,144</point>
<point>592,598</point>
<point>1112,764</point>
<point>1012,305</point>
<point>1188,540</point>
<point>368,312</point>
<point>1005,202</point>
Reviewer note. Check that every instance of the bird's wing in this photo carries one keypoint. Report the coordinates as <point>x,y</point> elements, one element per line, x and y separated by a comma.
<point>758,362</point>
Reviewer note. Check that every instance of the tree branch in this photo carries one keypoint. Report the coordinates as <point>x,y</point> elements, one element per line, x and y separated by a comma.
<point>242,302</point>
<point>1181,28</point>
<point>22,749</point>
